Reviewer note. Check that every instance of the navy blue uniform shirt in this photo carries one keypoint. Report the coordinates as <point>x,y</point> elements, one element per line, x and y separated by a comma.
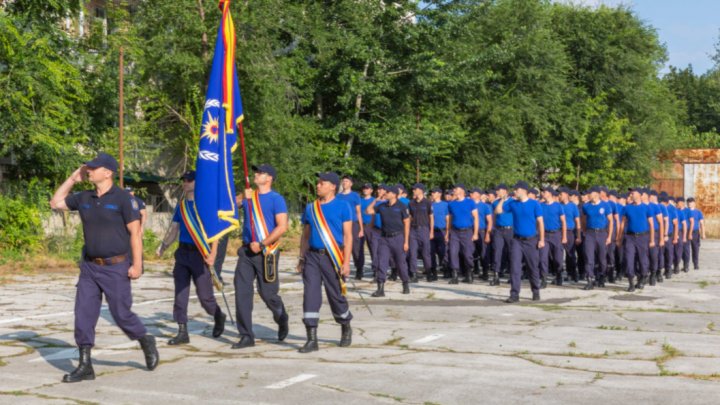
<point>392,216</point>
<point>104,220</point>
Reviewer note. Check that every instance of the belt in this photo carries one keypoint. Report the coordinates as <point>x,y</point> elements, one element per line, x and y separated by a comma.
<point>391,234</point>
<point>636,233</point>
<point>596,230</point>
<point>524,237</point>
<point>323,251</point>
<point>439,229</point>
<point>503,227</point>
<point>187,246</point>
<point>419,226</point>
<point>462,229</point>
<point>106,261</point>
<point>553,231</point>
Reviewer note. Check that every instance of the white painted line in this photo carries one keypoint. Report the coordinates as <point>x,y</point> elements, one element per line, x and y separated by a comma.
<point>506,314</point>
<point>429,338</point>
<point>290,381</point>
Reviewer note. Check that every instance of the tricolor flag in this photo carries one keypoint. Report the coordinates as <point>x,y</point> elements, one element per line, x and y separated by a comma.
<point>214,184</point>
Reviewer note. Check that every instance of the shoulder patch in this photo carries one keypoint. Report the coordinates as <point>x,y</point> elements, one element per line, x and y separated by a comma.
<point>134,204</point>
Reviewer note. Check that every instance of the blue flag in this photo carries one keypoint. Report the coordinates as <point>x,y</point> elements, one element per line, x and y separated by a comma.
<point>217,211</point>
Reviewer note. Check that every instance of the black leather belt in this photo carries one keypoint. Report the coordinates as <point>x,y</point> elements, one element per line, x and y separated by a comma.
<point>553,231</point>
<point>636,233</point>
<point>187,246</point>
<point>323,251</point>
<point>524,237</point>
<point>439,229</point>
<point>504,227</point>
<point>106,261</point>
<point>462,229</point>
<point>391,234</point>
<point>596,230</point>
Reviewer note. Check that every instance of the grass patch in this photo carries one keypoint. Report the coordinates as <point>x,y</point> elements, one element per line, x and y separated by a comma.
<point>604,327</point>
<point>703,284</point>
<point>650,342</point>
<point>381,395</point>
<point>711,326</point>
<point>572,344</point>
<point>393,341</point>
<point>669,352</point>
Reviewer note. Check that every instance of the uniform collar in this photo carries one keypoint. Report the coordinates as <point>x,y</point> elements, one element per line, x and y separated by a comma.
<point>112,189</point>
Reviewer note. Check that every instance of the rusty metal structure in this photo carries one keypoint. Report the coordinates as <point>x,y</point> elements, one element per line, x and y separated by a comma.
<point>694,173</point>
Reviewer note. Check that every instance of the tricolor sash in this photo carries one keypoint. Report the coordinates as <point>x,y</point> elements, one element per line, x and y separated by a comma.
<point>336,255</point>
<point>190,219</point>
<point>261,229</point>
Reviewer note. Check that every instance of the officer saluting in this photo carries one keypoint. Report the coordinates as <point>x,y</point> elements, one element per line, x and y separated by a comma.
<point>111,229</point>
<point>189,265</point>
<point>265,221</point>
<point>325,250</point>
<point>529,237</point>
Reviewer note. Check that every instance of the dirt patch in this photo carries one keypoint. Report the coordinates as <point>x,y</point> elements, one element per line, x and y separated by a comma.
<point>35,265</point>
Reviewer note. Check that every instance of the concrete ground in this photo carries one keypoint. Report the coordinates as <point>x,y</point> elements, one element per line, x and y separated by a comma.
<point>442,344</point>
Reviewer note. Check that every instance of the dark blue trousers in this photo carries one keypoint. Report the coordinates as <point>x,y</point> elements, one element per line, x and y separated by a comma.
<point>190,267</point>
<point>695,245</point>
<point>250,268</point>
<point>654,253</point>
<point>461,248</point>
<point>112,281</point>
<point>669,254</point>
<point>552,253</point>
<point>437,248</point>
<point>372,235</point>
<point>527,249</point>
<point>594,247</point>
<point>636,247</point>
<point>358,253</point>
<point>480,253</point>
<point>317,272</point>
<point>502,243</point>
<point>570,252</point>
<point>419,241</point>
<point>392,247</point>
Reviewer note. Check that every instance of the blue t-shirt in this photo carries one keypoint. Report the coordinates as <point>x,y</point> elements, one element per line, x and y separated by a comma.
<point>505,219</point>
<point>672,215</point>
<point>551,216</point>
<point>524,216</point>
<point>637,218</point>
<point>461,213</point>
<point>272,203</point>
<point>663,211</point>
<point>184,233</point>
<point>655,211</point>
<point>336,213</point>
<point>483,211</point>
<point>697,215</point>
<point>378,220</point>
<point>681,218</point>
<point>686,215</point>
<point>354,200</point>
<point>596,215</point>
<point>404,200</point>
<point>440,212</point>
<point>571,212</point>
<point>364,203</point>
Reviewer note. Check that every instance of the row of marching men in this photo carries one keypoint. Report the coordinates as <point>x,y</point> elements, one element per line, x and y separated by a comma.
<point>562,235</point>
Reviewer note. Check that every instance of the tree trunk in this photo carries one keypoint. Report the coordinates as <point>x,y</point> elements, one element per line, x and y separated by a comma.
<point>204,39</point>
<point>358,106</point>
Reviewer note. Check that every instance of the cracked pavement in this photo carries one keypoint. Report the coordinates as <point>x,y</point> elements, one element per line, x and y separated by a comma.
<point>442,344</point>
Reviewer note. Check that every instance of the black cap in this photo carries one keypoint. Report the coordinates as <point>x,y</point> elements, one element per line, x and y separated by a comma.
<point>664,198</point>
<point>392,189</point>
<point>501,186</point>
<point>563,189</point>
<point>367,185</point>
<point>604,189</point>
<point>613,193</point>
<point>103,160</point>
<point>188,175</point>
<point>347,176</point>
<point>575,193</point>
<point>680,199</point>
<point>267,169</point>
<point>522,185</point>
<point>400,187</point>
<point>623,195</point>
<point>594,189</point>
<point>449,191</point>
<point>534,191</point>
<point>331,177</point>
<point>460,185</point>
<point>550,190</point>
<point>436,190</point>
<point>691,199</point>
<point>418,186</point>
<point>653,192</point>
<point>638,189</point>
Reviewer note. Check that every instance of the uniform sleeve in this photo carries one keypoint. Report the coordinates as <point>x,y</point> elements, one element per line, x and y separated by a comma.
<point>73,201</point>
<point>405,213</point>
<point>176,215</point>
<point>130,210</point>
<point>346,212</point>
<point>561,211</point>
<point>538,210</point>
<point>584,210</point>
<point>649,212</point>
<point>279,205</point>
<point>305,218</point>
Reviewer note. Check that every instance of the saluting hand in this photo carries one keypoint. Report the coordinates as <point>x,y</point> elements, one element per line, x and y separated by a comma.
<point>79,175</point>
<point>134,272</point>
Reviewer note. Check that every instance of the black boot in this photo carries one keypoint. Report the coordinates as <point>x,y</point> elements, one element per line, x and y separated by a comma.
<point>468,277</point>
<point>393,275</point>
<point>494,279</point>
<point>245,341</point>
<point>484,276</point>
<point>182,336</point>
<point>543,282</point>
<point>642,280</point>
<point>414,278</point>
<point>601,281</point>
<point>446,273</point>
<point>631,286</point>
<point>618,274</point>
<point>406,288</point>
<point>652,278</point>
<point>676,270</point>
<point>611,275</point>
<point>380,290</point>
<point>152,357</point>
<point>283,327</point>
<point>346,336</point>
<point>84,370</point>
<point>659,276</point>
<point>454,279</point>
<point>358,274</point>
<point>590,284</point>
<point>559,278</point>
<point>668,274</point>
<point>219,326</point>
<point>536,296</point>
<point>312,343</point>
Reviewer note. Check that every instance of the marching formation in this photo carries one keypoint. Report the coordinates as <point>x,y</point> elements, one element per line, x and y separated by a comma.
<point>595,237</point>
